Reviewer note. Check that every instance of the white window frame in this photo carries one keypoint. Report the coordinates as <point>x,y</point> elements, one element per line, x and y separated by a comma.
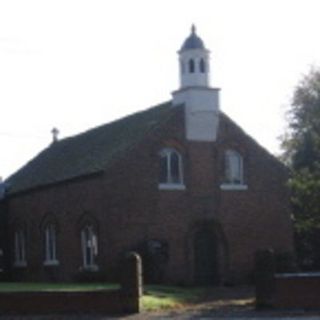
<point>170,184</point>
<point>50,241</point>
<point>20,248</point>
<point>89,241</point>
<point>233,172</point>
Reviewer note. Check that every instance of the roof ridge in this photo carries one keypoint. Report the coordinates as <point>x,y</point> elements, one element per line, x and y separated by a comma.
<point>88,152</point>
<point>112,122</point>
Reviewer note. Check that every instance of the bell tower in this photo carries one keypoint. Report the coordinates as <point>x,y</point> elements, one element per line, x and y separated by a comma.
<point>194,62</point>
<point>201,102</point>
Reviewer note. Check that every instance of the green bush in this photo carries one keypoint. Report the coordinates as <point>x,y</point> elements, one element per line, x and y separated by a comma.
<point>285,262</point>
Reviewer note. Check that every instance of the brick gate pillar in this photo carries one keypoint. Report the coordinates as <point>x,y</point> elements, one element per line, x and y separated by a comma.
<point>131,282</point>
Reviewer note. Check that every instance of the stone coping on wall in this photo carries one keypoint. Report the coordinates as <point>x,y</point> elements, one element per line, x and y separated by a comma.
<point>126,299</point>
<point>297,275</point>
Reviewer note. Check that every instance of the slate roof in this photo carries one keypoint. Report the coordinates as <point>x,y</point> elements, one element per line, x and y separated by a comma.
<point>89,152</point>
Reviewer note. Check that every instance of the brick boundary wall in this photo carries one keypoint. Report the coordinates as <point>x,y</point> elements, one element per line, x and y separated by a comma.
<point>297,290</point>
<point>124,300</point>
<point>61,302</point>
<point>291,290</point>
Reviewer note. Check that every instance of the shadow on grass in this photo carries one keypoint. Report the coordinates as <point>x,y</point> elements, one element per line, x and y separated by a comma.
<point>166,298</point>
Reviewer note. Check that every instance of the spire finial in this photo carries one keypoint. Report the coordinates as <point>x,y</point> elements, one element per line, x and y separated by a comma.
<point>193,29</point>
<point>55,133</point>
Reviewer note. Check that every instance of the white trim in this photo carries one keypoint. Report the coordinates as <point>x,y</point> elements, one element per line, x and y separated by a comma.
<point>171,186</point>
<point>234,187</point>
<point>167,154</point>
<point>233,168</point>
<point>297,275</point>
<point>49,263</point>
<point>91,268</point>
<point>50,245</point>
<point>20,249</point>
<point>89,241</point>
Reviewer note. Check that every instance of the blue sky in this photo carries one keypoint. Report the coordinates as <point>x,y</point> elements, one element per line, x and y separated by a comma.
<point>76,64</point>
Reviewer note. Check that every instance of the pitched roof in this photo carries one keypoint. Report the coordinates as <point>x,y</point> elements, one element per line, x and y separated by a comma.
<point>89,152</point>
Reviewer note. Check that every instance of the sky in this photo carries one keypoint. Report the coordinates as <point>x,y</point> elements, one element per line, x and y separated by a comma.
<point>74,64</point>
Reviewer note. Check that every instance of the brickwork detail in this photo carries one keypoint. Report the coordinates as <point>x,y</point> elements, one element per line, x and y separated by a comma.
<point>128,209</point>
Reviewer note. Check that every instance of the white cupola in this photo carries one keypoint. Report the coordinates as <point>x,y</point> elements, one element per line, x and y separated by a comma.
<point>194,62</point>
<point>201,102</point>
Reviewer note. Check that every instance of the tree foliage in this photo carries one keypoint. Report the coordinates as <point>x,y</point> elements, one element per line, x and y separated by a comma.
<point>301,146</point>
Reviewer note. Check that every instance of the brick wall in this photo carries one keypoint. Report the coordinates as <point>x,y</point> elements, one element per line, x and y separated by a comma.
<point>297,291</point>
<point>129,209</point>
<point>126,299</point>
<point>4,263</point>
<point>61,302</point>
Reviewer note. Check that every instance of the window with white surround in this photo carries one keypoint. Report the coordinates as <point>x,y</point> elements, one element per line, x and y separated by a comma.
<point>171,170</point>
<point>50,245</point>
<point>20,248</point>
<point>89,244</point>
<point>233,173</point>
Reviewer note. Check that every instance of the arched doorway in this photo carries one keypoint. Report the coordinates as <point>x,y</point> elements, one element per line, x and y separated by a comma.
<point>206,257</point>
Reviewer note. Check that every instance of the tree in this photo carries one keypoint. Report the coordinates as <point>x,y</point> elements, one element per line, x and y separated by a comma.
<point>301,146</point>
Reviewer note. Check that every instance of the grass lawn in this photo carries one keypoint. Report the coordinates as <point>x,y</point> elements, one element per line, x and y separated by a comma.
<point>33,286</point>
<point>168,297</point>
<point>154,298</point>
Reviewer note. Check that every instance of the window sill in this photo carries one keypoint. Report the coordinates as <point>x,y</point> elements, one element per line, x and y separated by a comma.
<point>92,268</point>
<point>233,187</point>
<point>20,264</point>
<point>172,186</point>
<point>51,263</point>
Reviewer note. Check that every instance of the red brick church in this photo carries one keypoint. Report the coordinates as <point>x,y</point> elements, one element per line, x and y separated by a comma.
<point>180,182</point>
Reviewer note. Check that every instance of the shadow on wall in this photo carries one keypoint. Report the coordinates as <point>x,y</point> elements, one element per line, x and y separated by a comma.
<point>155,256</point>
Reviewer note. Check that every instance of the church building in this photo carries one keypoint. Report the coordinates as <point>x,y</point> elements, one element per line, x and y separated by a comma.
<point>180,182</point>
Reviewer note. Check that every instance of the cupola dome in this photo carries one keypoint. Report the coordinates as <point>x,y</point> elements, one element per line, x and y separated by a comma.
<point>194,62</point>
<point>200,101</point>
<point>193,41</point>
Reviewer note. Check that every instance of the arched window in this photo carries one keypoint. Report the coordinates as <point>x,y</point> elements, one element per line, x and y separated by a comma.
<point>20,248</point>
<point>89,245</point>
<point>171,168</point>
<point>233,167</point>
<point>191,66</point>
<point>50,245</point>
<point>202,66</point>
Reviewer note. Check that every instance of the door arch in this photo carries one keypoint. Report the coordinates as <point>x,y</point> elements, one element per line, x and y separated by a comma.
<point>206,264</point>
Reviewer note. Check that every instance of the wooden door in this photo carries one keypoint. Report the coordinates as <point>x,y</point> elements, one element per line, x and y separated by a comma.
<point>205,257</point>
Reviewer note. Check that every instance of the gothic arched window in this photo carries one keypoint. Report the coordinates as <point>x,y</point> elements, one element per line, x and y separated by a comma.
<point>89,245</point>
<point>171,168</point>
<point>50,238</point>
<point>191,66</point>
<point>233,167</point>
<point>202,66</point>
<point>20,248</point>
